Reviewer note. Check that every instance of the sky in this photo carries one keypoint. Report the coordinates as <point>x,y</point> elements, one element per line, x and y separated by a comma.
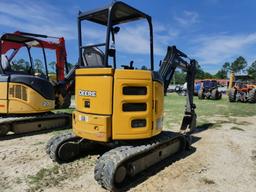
<point>211,31</point>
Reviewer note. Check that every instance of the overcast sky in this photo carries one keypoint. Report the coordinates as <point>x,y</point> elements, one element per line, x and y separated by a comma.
<point>212,31</point>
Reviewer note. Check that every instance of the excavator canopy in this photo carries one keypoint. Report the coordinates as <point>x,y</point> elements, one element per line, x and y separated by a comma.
<point>114,14</point>
<point>119,11</point>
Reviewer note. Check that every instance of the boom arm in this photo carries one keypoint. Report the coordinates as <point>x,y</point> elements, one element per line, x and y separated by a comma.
<point>175,59</point>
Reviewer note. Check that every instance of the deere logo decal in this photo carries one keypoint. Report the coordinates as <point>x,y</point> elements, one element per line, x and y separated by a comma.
<point>87,93</point>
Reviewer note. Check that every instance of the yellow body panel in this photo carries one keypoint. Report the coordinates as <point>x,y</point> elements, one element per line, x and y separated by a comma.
<point>3,88</point>
<point>121,127</point>
<point>133,74</point>
<point>24,100</point>
<point>158,92</point>
<point>3,97</point>
<point>93,127</point>
<point>105,111</point>
<point>94,71</point>
<point>95,90</point>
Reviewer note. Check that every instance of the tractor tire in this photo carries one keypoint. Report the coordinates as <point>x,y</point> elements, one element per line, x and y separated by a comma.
<point>252,96</point>
<point>220,95</point>
<point>201,94</point>
<point>232,95</point>
<point>214,94</point>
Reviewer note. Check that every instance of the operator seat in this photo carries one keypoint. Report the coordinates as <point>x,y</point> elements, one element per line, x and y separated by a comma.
<point>93,57</point>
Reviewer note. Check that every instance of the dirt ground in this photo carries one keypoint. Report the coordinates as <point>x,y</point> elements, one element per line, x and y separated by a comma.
<point>223,158</point>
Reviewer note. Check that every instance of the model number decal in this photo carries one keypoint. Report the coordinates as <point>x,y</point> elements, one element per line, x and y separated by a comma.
<point>87,93</point>
<point>45,104</point>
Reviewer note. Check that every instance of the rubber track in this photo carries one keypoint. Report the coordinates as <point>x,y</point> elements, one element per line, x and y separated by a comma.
<point>12,120</point>
<point>9,120</point>
<point>55,142</point>
<point>108,163</point>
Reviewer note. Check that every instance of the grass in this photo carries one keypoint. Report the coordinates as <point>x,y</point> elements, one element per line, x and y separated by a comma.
<point>54,175</point>
<point>46,177</point>
<point>175,105</point>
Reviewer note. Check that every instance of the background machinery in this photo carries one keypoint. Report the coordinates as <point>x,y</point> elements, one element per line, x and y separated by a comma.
<point>241,89</point>
<point>243,92</point>
<point>209,90</point>
<point>122,108</point>
<point>28,91</point>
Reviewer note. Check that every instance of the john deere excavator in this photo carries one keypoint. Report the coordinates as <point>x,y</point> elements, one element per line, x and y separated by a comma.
<point>28,92</point>
<point>123,108</point>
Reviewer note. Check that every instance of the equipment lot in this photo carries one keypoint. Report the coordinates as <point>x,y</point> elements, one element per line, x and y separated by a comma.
<point>223,157</point>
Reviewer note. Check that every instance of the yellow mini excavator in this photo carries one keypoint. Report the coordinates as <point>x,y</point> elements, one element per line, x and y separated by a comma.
<point>28,93</point>
<point>123,108</point>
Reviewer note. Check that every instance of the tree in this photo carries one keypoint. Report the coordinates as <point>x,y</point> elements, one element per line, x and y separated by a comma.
<point>20,65</point>
<point>239,64</point>
<point>201,74</point>
<point>226,66</point>
<point>179,77</point>
<point>144,67</point>
<point>222,73</point>
<point>38,65</point>
<point>52,67</point>
<point>70,65</point>
<point>252,70</point>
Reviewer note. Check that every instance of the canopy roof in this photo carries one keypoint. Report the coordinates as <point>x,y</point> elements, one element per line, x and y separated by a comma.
<point>20,39</point>
<point>121,13</point>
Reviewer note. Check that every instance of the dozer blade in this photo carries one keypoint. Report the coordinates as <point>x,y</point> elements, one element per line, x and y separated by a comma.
<point>27,124</point>
<point>115,168</point>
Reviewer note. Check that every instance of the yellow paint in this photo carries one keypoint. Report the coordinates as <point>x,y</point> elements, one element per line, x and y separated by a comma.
<point>104,119</point>
<point>158,92</point>
<point>101,84</point>
<point>231,79</point>
<point>93,127</point>
<point>3,90</point>
<point>27,101</point>
<point>94,71</point>
<point>121,126</point>
<point>3,97</point>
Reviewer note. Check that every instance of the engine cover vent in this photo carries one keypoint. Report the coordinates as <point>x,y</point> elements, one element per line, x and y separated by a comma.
<point>19,92</point>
